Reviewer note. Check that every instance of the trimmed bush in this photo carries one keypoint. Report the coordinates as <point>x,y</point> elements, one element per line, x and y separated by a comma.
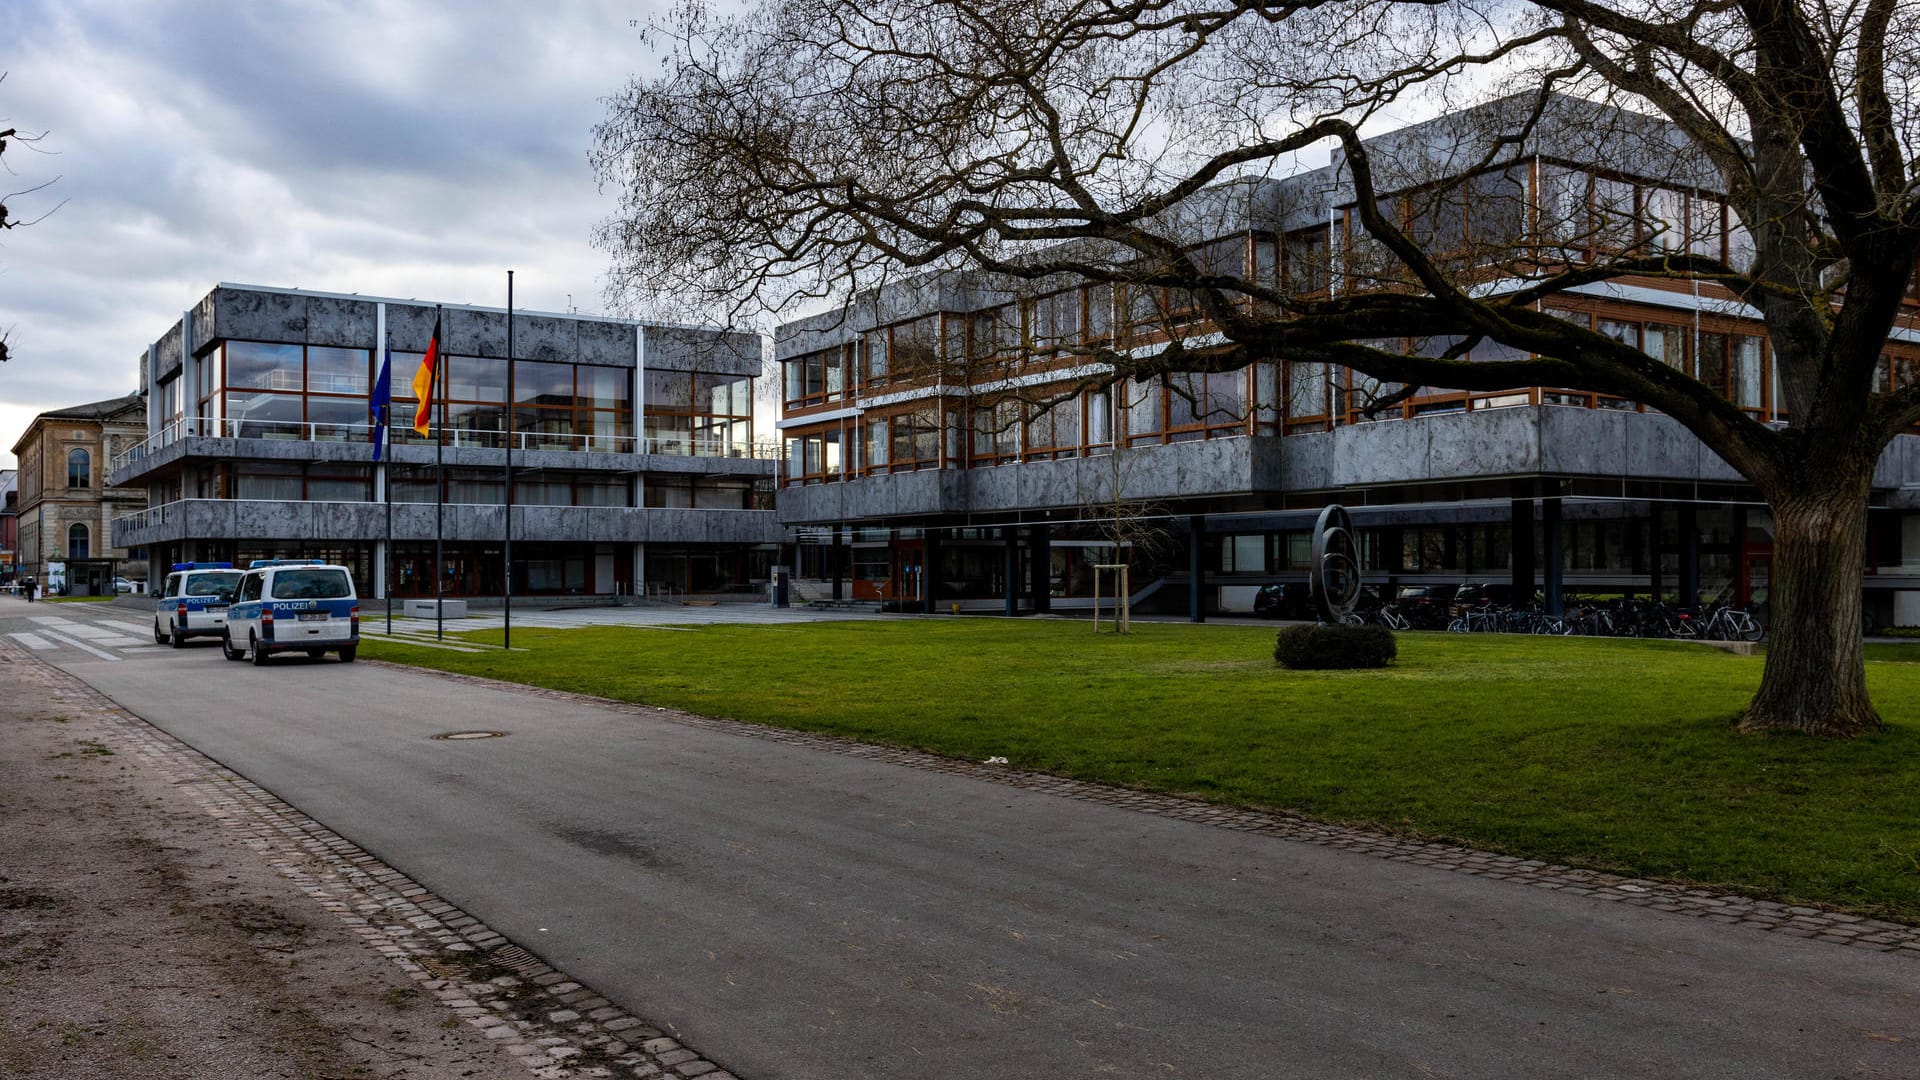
<point>1319,648</point>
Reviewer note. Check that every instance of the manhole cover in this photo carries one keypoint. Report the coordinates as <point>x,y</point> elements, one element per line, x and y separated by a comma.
<point>458,736</point>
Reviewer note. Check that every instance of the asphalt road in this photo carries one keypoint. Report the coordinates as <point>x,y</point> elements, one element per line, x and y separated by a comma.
<point>799,913</point>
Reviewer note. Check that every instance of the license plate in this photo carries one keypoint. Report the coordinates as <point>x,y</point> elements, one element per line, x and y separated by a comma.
<point>313,616</point>
<point>215,608</point>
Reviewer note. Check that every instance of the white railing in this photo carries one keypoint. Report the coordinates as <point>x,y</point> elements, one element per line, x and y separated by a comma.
<point>192,427</point>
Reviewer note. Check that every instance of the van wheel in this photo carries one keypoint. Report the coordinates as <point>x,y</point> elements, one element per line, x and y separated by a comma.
<point>256,652</point>
<point>227,650</point>
<point>158,637</point>
<point>179,640</point>
<point>347,653</point>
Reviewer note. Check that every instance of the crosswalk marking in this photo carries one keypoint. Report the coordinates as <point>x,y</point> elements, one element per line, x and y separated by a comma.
<point>81,645</point>
<point>32,641</point>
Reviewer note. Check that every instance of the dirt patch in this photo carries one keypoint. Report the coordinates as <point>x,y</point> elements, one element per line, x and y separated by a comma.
<point>140,941</point>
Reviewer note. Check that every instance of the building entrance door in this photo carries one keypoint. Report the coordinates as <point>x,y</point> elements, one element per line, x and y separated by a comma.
<point>909,564</point>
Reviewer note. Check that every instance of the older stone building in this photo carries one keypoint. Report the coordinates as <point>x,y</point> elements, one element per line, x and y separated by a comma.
<point>66,507</point>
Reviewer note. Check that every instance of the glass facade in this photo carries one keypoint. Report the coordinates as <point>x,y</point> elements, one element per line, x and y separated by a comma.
<point>252,389</point>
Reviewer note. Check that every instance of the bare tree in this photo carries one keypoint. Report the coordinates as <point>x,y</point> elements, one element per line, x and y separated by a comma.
<point>12,136</point>
<point>812,148</point>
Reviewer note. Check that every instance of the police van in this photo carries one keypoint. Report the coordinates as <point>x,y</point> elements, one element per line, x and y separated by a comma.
<point>293,605</point>
<point>193,602</point>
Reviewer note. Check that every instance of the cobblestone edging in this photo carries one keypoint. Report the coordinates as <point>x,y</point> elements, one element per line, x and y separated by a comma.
<point>1793,920</point>
<point>556,1027</point>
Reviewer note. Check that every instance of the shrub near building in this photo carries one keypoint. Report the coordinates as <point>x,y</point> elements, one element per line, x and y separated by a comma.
<point>1319,648</point>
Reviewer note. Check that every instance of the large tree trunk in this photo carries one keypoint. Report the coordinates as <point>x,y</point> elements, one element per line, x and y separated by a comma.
<point>1816,679</point>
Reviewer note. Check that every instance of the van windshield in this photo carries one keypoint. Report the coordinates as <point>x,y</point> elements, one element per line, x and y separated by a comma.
<point>218,583</point>
<point>312,585</point>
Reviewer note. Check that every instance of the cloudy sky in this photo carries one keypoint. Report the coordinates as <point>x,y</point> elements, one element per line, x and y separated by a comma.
<point>386,147</point>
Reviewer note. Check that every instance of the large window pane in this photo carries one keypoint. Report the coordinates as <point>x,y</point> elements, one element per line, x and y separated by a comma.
<point>263,415</point>
<point>267,481</point>
<point>605,388</point>
<point>477,378</point>
<point>338,419</point>
<point>336,371</point>
<point>1748,382</point>
<point>1141,402</point>
<point>724,395</point>
<point>255,365</point>
<point>669,391</point>
<point>538,382</point>
<point>669,434</point>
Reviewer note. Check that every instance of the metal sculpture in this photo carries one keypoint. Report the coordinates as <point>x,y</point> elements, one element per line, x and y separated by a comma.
<point>1334,583</point>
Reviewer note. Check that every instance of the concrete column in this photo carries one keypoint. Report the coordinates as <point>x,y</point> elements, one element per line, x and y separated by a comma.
<point>1040,547</point>
<point>1522,544</point>
<point>1010,571</point>
<point>640,569</point>
<point>930,572</point>
<point>1197,569</point>
<point>1689,590</point>
<point>154,419</point>
<point>1553,566</point>
<point>379,569</point>
<point>189,370</point>
<point>837,564</point>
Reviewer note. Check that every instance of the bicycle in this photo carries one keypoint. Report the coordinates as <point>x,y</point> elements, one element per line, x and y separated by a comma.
<point>1732,624</point>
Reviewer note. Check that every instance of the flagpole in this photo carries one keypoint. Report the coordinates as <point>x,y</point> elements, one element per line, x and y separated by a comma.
<point>506,555</point>
<point>386,476</point>
<point>439,489</point>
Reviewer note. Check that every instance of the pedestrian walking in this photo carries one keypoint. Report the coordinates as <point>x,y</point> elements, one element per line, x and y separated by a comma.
<point>31,586</point>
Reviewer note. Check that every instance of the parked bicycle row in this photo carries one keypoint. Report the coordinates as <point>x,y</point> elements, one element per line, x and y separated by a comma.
<point>1482,609</point>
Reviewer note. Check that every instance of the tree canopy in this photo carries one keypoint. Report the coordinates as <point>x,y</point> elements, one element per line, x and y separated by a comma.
<point>807,149</point>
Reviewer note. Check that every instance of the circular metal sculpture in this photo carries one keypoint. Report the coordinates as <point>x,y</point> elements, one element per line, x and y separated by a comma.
<point>1334,582</point>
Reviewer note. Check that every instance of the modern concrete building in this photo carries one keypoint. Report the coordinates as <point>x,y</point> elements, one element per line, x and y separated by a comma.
<point>67,504</point>
<point>9,525</point>
<point>958,440</point>
<point>635,466</point>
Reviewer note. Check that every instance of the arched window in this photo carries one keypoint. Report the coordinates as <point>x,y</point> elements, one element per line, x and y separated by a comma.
<point>77,547</point>
<point>79,468</point>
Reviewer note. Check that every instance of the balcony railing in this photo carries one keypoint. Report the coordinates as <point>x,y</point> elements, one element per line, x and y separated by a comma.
<point>242,428</point>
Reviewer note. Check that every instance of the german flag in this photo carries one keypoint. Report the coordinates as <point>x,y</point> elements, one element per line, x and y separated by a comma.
<point>423,380</point>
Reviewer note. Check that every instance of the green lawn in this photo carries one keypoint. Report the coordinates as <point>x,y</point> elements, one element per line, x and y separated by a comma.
<point>1603,753</point>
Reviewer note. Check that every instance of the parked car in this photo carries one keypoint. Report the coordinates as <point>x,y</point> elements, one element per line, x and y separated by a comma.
<point>1483,594</point>
<point>1426,607</point>
<point>121,585</point>
<point>293,605</point>
<point>1288,600</point>
<point>193,602</point>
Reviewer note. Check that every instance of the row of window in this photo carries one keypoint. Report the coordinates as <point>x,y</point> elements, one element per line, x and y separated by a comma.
<point>266,390</point>
<point>1537,211</point>
<point>1173,408</point>
<point>345,482</point>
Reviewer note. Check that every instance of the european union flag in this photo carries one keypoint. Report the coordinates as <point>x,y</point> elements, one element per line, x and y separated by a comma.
<point>381,403</point>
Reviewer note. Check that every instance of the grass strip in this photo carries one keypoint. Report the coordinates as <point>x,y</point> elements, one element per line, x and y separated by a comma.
<point>1604,753</point>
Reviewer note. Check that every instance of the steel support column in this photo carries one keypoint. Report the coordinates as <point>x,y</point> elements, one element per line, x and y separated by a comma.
<point>1522,549</point>
<point>1196,569</point>
<point>1039,544</point>
<point>1554,558</point>
<point>1689,593</point>
<point>1010,572</point>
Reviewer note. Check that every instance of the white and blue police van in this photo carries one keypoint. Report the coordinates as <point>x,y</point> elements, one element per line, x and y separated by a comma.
<point>193,602</point>
<point>293,605</point>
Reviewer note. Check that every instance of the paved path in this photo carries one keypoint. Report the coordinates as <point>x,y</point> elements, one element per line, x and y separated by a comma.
<point>794,911</point>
